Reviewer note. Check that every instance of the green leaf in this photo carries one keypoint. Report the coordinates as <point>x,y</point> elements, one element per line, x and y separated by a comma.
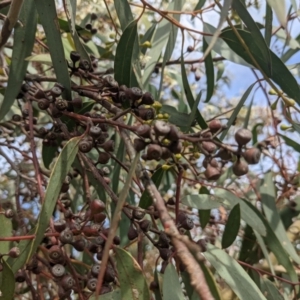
<point>157,292</point>
<point>57,177</point>
<point>279,8</point>
<point>222,48</point>
<point>123,58</point>
<point>269,289</point>
<point>258,39</point>
<point>204,217</point>
<point>274,245</point>
<point>146,199</point>
<point>71,16</point>
<point>48,154</point>
<point>202,201</point>
<point>233,274</point>
<point>248,115</point>
<point>268,198</point>
<point>171,285</point>
<point>124,12</point>
<point>43,58</point>
<point>249,250</point>
<point>237,110</point>
<point>291,142</point>
<point>7,287</point>
<point>280,73</point>
<point>232,227</point>
<point>148,36</point>
<point>189,95</point>
<point>21,49</point>
<point>209,71</point>
<point>6,230</point>
<point>48,18</point>
<point>268,26</point>
<point>134,285</point>
<point>247,214</point>
<point>254,132</point>
<point>199,5</point>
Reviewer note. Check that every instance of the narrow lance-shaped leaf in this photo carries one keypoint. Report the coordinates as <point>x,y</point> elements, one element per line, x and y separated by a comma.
<point>279,8</point>
<point>21,50</point>
<point>268,24</point>
<point>268,198</point>
<point>48,18</point>
<point>134,285</point>
<point>233,274</point>
<point>170,279</point>
<point>232,227</point>
<point>57,177</point>
<point>209,71</point>
<point>7,286</point>
<point>258,39</point>
<point>123,58</point>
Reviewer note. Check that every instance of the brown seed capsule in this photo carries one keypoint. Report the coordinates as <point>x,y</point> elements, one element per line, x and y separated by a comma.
<point>55,252</point>
<point>163,240</point>
<point>145,225</point>
<point>60,225</point>
<point>202,244</point>
<point>56,91</point>
<point>143,131</point>
<point>139,144</point>
<point>117,240</point>
<point>154,286</point>
<point>58,270</point>
<point>165,253</point>
<point>185,221</point>
<point>243,136</point>
<point>66,236</point>
<point>209,147</point>
<point>16,118</point>
<point>20,276</point>
<point>103,158</point>
<point>84,65</point>
<point>67,282</point>
<point>224,154</point>
<point>43,104</point>
<point>99,218</point>
<point>175,147</point>
<point>240,167</point>
<point>77,102</point>
<point>166,153</point>
<point>138,214</point>
<point>134,93</point>
<point>252,156</point>
<point>173,135</point>
<point>61,104</point>
<point>109,275</point>
<point>132,233</point>
<point>14,252</point>
<point>75,56</point>
<point>161,128</point>
<point>108,146</point>
<point>147,99</point>
<point>95,131</point>
<point>212,173</point>
<point>154,152</point>
<point>145,113</point>
<point>111,82</point>
<point>95,270</point>
<point>92,284</point>
<point>85,146</point>
<point>190,48</point>
<point>79,244</point>
<point>214,125</point>
<point>97,206</point>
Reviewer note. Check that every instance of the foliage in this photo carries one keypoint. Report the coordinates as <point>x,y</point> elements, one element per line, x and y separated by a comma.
<point>128,173</point>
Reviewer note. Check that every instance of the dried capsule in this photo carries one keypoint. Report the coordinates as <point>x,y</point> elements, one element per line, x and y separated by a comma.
<point>132,233</point>
<point>134,93</point>
<point>9,213</point>
<point>243,136</point>
<point>79,244</point>
<point>212,173</point>
<point>58,270</point>
<point>252,156</point>
<point>16,118</point>
<point>138,214</point>
<point>103,158</point>
<point>55,252</point>
<point>85,146</point>
<point>145,113</point>
<point>61,104</point>
<point>66,236</point>
<point>60,225</point>
<point>111,82</point>
<point>20,276</point>
<point>185,221</point>
<point>117,240</point>
<point>95,131</point>
<point>209,147</point>
<point>143,131</point>
<point>99,218</point>
<point>224,154</point>
<point>161,128</point>
<point>163,240</point>
<point>202,244</point>
<point>56,91</point>
<point>147,99</point>
<point>240,167</point>
<point>92,284</point>
<point>95,270</point>
<point>84,65</point>
<point>108,146</point>
<point>75,56</point>
<point>145,225</point>
<point>139,144</point>
<point>43,104</point>
<point>154,152</point>
<point>165,253</point>
<point>173,134</point>
<point>77,102</point>
<point>67,282</point>
<point>14,252</point>
<point>214,125</point>
<point>175,147</point>
<point>109,275</point>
